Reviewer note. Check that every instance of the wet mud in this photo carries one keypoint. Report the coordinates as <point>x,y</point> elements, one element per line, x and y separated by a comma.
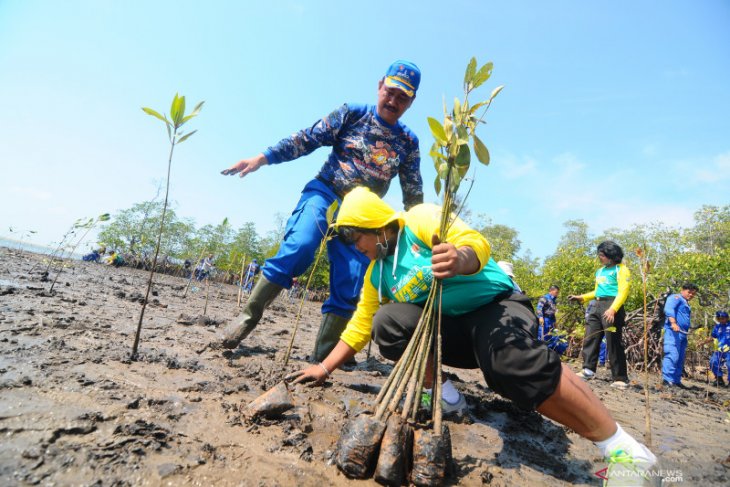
<point>75,410</point>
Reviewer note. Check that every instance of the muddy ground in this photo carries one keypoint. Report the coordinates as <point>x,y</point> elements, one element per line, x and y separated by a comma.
<point>74,410</point>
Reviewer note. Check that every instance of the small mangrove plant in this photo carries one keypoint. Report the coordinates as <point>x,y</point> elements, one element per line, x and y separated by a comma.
<point>178,118</point>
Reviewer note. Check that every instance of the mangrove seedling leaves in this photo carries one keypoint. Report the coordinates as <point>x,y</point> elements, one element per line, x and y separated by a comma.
<point>104,217</point>
<point>481,151</point>
<point>437,185</point>
<point>483,75</point>
<point>194,113</point>
<point>185,137</point>
<point>463,158</point>
<point>495,92</point>
<point>177,110</point>
<point>438,131</point>
<point>155,114</point>
<point>471,69</point>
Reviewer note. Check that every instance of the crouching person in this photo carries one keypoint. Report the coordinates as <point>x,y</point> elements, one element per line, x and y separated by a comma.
<point>484,323</point>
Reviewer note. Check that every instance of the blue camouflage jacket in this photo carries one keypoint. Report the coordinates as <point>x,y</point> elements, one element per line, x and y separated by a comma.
<point>366,151</point>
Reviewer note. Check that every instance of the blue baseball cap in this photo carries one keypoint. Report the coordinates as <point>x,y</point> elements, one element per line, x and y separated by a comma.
<point>405,76</point>
<point>721,314</point>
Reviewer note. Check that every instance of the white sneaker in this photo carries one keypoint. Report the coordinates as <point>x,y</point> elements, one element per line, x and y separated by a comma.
<point>626,468</point>
<point>586,374</point>
<point>459,409</point>
<point>619,384</point>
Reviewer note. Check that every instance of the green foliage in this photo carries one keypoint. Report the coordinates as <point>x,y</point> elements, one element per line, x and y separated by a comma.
<point>134,231</point>
<point>502,239</point>
<point>450,152</point>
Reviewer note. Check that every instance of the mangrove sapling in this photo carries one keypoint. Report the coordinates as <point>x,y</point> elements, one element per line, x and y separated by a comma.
<point>240,280</point>
<point>62,244</point>
<point>327,234</point>
<point>432,446</point>
<point>177,114</point>
<point>645,268</point>
<point>88,225</point>
<point>22,235</point>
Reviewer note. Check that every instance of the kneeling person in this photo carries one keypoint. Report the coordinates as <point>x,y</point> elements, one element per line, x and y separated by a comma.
<point>484,324</point>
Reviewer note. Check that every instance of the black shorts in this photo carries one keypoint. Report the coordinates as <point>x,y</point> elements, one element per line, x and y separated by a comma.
<point>500,338</point>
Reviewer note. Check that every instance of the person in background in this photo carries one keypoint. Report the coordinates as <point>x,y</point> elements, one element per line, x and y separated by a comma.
<point>606,310</point>
<point>721,357</point>
<point>508,269</point>
<point>252,270</point>
<point>370,147</point>
<point>204,268</point>
<point>484,323</point>
<point>676,328</point>
<point>602,353</point>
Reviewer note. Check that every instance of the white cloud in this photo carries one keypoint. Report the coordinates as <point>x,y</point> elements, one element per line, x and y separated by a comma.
<point>707,171</point>
<point>513,167</point>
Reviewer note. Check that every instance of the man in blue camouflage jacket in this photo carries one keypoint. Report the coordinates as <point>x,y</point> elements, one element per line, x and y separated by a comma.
<point>369,148</point>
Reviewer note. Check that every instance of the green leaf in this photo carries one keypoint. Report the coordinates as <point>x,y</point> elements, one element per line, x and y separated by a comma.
<point>495,92</point>
<point>331,212</point>
<point>483,74</point>
<point>471,68</point>
<point>457,109</point>
<point>437,130</point>
<point>437,157</point>
<point>177,110</point>
<point>155,114</point>
<point>463,158</point>
<point>185,137</point>
<point>462,135</point>
<point>437,185</point>
<point>169,132</point>
<point>477,106</point>
<point>443,170</point>
<point>449,128</point>
<point>194,113</point>
<point>481,151</point>
<point>104,217</point>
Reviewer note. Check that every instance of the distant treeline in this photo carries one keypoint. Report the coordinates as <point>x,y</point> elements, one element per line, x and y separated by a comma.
<point>700,254</point>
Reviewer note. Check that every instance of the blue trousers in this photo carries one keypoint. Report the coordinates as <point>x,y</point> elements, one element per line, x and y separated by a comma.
<point>717,360</point>
<point>304,232</point>
<point>548,322</point>
<point>675,348</point>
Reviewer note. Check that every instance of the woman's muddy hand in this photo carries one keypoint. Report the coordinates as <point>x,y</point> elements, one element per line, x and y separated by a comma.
<point>313,373</point>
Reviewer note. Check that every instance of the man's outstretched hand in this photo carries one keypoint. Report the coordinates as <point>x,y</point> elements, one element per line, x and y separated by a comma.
<point>246,166</point>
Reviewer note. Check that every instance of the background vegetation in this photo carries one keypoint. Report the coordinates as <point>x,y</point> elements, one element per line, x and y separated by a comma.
<point>700,254</point>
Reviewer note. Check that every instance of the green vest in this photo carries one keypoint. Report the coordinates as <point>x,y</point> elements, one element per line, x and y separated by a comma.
<point>607,281</point>
<point>411,279</point>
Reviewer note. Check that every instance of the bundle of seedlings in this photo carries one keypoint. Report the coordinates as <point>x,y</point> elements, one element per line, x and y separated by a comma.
<point>403,440</point>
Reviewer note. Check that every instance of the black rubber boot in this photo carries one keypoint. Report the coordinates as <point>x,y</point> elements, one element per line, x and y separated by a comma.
<point>263,294</point>
<point>329,334</point>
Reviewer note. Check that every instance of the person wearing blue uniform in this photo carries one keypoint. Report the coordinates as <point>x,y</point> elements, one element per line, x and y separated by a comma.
<point>721,356</point>
<point>547,307</point>
<point>370,147</point>
<point>676,328</point>
<point>251,271</point>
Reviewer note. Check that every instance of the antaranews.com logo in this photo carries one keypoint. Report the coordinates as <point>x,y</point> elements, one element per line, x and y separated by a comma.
<point>630,476</point>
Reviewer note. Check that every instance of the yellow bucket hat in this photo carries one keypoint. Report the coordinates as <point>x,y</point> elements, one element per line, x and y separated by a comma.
<point>361,208</point>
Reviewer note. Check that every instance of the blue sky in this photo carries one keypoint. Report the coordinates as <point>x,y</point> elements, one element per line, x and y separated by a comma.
<point>612,112</point>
